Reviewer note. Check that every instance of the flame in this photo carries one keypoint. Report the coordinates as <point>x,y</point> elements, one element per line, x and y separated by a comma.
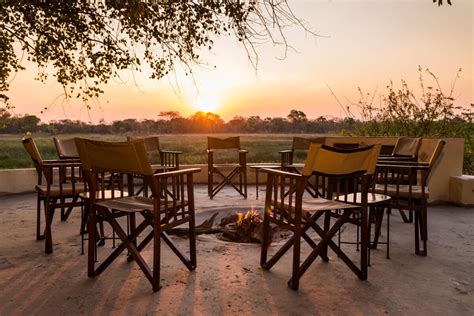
<point>249,217</point>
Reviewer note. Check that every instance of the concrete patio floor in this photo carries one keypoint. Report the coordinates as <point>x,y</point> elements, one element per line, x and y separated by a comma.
<point>228,279</point>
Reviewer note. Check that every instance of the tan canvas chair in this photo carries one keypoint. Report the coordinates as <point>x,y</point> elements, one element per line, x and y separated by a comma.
<point>299,146</point>
<point>226,171</point>
<point>406,149</point>
<point>407,184</point>
<point>161,212</point>
<point>339,173</point>
<point>53,191</point>
<point>66,148</point>
<point>168,159</point>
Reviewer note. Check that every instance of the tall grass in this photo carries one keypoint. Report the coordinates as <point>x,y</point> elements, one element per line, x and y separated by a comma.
<point>262,148</point>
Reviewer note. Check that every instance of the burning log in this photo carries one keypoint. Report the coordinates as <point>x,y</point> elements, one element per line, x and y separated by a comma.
<point>239,227</point>
<point>245,228</point>
<point>205,227</point>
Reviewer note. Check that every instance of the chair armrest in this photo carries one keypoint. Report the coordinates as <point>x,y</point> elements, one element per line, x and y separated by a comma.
<point>61,163</point>
<point>390,165</point>
<point>397,158</point>
<point>281,173</point>
<point>176,173</point>
<point>285,151</point>
<point>243,151</point>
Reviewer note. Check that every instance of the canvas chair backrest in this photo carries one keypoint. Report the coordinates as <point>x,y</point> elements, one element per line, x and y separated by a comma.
<point>31,148</point>
<point>66,148</point>
<point>334,161</point>
<point>436,152</point>
<point>435,156</point>
<point>116,157</point>
<point>300,143</point>
<point>407,146</point>
<point>152,143</point>
<point>223,143</point>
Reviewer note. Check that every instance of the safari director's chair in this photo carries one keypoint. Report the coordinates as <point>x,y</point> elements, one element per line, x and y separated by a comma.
<point>342,174</point>
<point>227,171</point>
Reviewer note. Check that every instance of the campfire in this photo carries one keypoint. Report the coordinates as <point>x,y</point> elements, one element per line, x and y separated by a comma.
<point>240,227</point>
<point>243,227</point>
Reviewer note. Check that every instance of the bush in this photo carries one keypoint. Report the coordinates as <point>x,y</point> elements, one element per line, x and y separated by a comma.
<point>431,115</point>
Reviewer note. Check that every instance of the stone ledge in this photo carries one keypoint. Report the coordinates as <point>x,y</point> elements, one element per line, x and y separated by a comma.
<point>461,190</point>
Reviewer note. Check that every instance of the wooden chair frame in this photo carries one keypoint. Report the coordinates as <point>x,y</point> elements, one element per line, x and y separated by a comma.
<point>284,206</point>
<point>57,193</point>
<point>161,212</point>
<point>407,184</point>
<point>239,169</point>
<point>341,176</point>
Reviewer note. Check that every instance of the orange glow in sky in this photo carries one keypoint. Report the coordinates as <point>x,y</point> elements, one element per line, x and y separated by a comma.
<point>364,43</point>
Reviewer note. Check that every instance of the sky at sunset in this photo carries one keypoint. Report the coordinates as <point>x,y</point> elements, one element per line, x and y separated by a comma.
<point>363,44</point>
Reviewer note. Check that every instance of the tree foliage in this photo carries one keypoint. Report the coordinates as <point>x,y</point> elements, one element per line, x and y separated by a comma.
<point>86,43</point>
<point>432,114</point>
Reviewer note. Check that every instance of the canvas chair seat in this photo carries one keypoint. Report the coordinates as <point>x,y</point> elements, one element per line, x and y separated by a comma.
<point>105,194</point>
<point>321,204</point>
<point>403,190</point>
<point>136,204</point>
<point>372,198</point>
<point>312,206</point>
<point>55,190</point>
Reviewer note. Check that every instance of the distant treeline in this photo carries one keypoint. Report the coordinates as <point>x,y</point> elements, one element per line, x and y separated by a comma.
<point>171,122</point>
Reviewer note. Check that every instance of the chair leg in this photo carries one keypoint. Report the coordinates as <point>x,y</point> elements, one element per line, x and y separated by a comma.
<point>406,219</point>
<point>91,227</point>
<point>63,210</point>
<point>420,232</point>
<point>39,236</point>
<point>245,183</point>
<point>294,282</point>
<point>378,215</point>
<point>48,246</point>
<point>265,241</point>
<point>209,181</point>
<point>327,224</point>
<point>192,241</point>
<point>156,258</point>
<point>389,211</point>
<point>364,240</point>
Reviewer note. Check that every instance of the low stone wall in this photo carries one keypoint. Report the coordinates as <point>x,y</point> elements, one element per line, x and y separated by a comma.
<point>449,165</point>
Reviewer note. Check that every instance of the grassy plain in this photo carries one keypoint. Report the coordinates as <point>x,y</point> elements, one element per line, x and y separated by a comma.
<point>261,147</point>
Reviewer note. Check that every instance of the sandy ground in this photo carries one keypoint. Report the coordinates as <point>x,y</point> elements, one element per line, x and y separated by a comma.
<point>228,279</point>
